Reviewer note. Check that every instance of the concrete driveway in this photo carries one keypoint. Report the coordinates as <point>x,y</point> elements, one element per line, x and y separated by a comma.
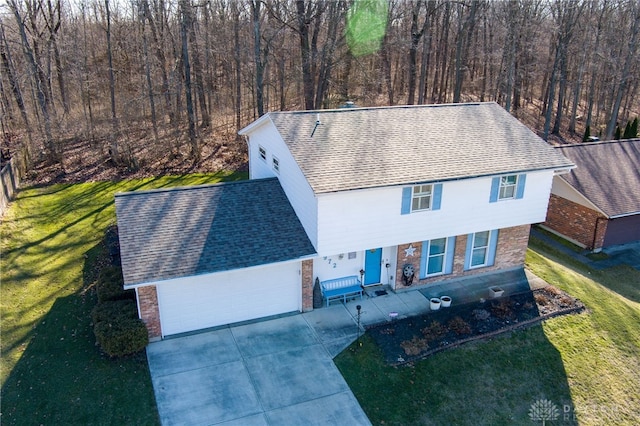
<point>275,372</point>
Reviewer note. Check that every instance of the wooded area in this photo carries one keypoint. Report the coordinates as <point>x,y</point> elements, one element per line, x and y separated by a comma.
<point>155,83</point>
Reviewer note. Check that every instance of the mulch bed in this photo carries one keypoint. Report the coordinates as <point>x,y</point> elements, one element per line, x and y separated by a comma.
<point>408,340</point>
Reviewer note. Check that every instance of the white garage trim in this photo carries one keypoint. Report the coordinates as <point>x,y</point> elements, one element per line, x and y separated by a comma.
<point>209,300</point>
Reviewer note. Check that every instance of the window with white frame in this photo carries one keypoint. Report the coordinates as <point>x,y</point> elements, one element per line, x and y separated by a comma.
<point>436,253</point>
<point>508,185</point>
<point>421,197</point>
<point>480,249</point>
<point>276,164</point>
<point>263,153</point>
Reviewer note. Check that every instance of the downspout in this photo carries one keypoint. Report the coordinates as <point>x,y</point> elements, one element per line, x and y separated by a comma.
<point>595,233</point>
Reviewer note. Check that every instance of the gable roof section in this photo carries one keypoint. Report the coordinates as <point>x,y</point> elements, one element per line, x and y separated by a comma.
<point>357,148</point>
<point>607,174</point>
<point>186,231</point>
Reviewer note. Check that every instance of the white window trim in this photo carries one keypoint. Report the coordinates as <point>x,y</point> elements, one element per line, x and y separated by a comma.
<point>421,195</point>
<point>444,259</point>
<point>275,163</point>
<point>262,152</point>
<point>503,185</point>
<point>486,252</point>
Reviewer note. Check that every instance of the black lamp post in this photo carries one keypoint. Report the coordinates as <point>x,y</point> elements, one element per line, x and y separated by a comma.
<point>358,308</point>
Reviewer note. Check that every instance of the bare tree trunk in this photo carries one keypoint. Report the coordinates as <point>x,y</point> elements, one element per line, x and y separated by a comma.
<point>624,78</point>
<point>197,71</point>
<point>303,16</point>
<point>113,151</point>
<point>7,66</point>
<point>258,55</point>
<point>147,71</point>
<point>238,66</point>
<point>195,149</point>
<point>40,89</point>
<point>462,50</point>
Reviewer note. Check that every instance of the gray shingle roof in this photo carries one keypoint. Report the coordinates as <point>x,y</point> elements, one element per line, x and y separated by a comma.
<point>607,173</point>
<point>370,147</point>
<point>195,230</point>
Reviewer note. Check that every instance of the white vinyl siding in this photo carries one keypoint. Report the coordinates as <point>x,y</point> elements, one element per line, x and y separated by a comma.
<point>361,219</point>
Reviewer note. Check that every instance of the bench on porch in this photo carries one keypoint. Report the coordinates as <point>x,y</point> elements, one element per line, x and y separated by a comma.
<point>341,288</point>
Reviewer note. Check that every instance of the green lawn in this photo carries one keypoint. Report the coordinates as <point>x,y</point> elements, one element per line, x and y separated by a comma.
<point>51,371</point>
<point>587,365</point>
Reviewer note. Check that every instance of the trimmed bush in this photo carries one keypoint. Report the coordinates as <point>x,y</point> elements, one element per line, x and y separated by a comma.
<point>118,330</point>
<point>110,285</point>
<point>121,336</point>
<point>113,309</point>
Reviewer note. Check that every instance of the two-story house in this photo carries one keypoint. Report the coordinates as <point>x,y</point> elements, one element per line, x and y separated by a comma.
<point>438,192</point>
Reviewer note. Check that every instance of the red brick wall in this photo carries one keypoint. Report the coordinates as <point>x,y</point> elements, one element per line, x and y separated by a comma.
<point>307,285</point>
<point>510,252</point>
<point>149,312</point>
<point>576,222</point>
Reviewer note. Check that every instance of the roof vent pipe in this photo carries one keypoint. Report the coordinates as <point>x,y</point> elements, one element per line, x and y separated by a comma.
<point>317,124</point>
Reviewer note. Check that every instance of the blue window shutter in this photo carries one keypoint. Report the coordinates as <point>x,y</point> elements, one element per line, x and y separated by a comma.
<point>495,187</point>
<point>437,196</point>
<point>451,249</point>
<point>520,189</point>
<point>423,259</point>
<point>406,200</point>
<point>493,244</point>
<point>467,254</point>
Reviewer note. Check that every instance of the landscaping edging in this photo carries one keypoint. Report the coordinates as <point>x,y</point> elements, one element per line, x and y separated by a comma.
<point>409,340</point>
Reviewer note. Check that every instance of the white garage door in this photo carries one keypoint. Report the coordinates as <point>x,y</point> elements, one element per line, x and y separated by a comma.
<point>194,303</point>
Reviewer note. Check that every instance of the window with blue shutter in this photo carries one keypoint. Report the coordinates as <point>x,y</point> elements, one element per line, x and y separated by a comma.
<point>406,200</point>
<point>421,198</point>
<point>507,187</point>
<point>481,249</point>
<point>437,257</point>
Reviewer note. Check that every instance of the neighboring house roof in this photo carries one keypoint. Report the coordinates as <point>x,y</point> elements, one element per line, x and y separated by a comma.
<point>356,148</point>
<point>171,233</point>
<point>607,174</point>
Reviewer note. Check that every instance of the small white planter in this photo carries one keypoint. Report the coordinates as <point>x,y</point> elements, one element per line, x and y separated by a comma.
<point>435,303</point>
<point>446,301</point>
<point>495,292</point>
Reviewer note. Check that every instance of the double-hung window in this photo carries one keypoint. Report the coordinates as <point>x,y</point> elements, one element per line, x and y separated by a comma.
<point>508,187</point>
<point>276,164</point>
<point>481,249</point>
<point>263,153</point>
<point>421,197</point>
<point>437,257</point>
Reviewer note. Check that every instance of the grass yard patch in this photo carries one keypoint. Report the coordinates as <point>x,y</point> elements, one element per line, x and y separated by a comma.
<point>52,249</point>
<point>587,365</point>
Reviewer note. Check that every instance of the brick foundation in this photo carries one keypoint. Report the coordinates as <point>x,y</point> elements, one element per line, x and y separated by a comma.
<point>307,285</point>
<point>576,222</point>
<point>510,252</point>
<point>148,310</point>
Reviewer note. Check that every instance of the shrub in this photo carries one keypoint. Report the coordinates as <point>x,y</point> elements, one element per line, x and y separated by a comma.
<point>118,329</point>
<point>459,326</point>
<point>110,285</point>
<point>434,331</point>
<point>112,309</point>
<point>121,336</point>
<point>414,346</point>
<point>503,309</point>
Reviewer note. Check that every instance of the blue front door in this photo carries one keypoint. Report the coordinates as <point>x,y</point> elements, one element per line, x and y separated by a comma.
<point>372,262</point>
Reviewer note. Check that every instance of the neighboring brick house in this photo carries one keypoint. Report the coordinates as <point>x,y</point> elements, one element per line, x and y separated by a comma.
<point>444,191</point>
<point>597,204</point>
